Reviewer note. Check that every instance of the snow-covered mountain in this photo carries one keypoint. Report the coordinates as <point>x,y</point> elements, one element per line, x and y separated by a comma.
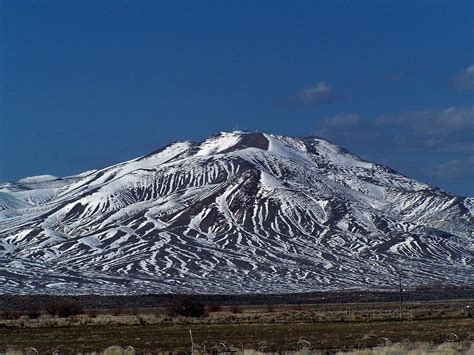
<point>238,212</point>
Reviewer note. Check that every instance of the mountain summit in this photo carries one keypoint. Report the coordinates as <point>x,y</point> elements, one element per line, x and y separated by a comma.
<point>238,212</point>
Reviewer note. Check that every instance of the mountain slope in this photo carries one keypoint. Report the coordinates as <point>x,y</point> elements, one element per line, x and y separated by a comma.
<point>238,212</point>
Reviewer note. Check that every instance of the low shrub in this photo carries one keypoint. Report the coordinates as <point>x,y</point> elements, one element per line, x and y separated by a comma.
<point>159,312</point>
<point>214,308</point>
<point>270,308</point>
<point>116,311</point>
<point>186,306</point>
<point>11,314</point>
<point>235,309</point>
<point>64,309</point>
<point>33,313</point>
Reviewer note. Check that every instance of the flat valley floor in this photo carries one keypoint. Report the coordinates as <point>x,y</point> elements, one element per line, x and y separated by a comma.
<point>267,328</point>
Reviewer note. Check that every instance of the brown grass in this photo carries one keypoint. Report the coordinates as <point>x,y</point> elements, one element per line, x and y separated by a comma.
<point>264,337</point>
<point>335,327</point>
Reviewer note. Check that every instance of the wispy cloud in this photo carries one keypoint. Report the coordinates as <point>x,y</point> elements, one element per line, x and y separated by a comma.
<point>342,120</point>
<point>436,130</point>
<point>464,81</point>
<point>456,168</point>
<point>436,144</point>
<point>432,121</point>
<point>315,95</point>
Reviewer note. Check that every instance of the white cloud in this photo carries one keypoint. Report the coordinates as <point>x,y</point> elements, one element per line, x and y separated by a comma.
<point>437,144</point>
<point>456,168</point>
<point>342,120</point>
<point>320,93</point>
<point>432,121</point>
<point>464,81</point>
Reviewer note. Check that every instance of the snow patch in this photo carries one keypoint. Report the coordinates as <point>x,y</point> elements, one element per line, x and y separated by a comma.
<point>219,144</point>
<point>39,178</point>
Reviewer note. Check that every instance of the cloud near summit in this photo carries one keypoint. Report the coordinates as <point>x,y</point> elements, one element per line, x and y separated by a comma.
<point>464,81</point>
<point>315,95</point>
<point>438,141</point>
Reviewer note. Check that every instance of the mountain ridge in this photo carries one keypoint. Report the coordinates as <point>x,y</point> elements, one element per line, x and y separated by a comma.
<point>240,212</point>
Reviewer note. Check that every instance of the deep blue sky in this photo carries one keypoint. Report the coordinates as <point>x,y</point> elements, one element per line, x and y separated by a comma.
<point>86,84</point>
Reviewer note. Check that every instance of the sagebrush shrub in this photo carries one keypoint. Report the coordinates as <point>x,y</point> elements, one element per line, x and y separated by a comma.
<point>186,306</point>
<point>33,313</point>
<point>64,309</point>
<point>11,314</point>
<point>214,308</point>
<point>236,309</point>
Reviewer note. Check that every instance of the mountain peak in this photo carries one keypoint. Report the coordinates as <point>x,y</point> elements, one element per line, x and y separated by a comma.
<point>231,141</point>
